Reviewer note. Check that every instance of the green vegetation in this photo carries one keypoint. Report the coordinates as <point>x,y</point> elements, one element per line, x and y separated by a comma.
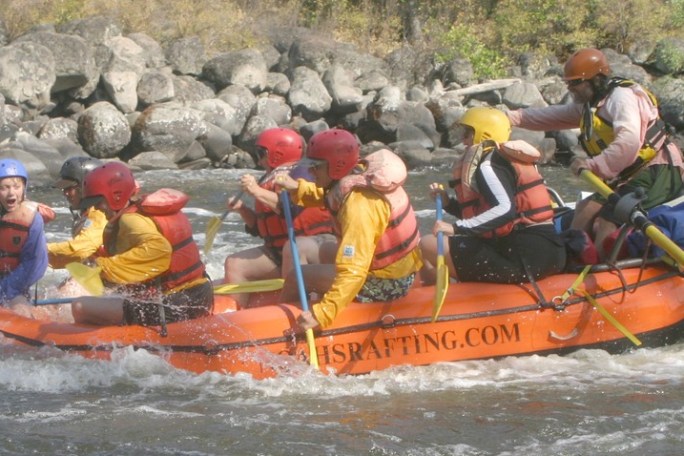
<point>490,33</point>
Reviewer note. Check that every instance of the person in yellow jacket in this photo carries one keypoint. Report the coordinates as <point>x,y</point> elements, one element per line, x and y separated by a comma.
<point>87,224</point>
<point>149,257</point>
<point>377,249</point>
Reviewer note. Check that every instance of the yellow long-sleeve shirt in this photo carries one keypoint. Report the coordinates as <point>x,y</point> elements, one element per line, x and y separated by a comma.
<point>83,245</point>
<point>362,220</point>
<point>143,252</point>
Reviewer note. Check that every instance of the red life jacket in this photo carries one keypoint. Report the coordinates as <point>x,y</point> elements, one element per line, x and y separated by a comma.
<point>14,228</point>
<point>164,208</point>
<point>531,197</point>
<point>384,173</point>
<point>271,225</point>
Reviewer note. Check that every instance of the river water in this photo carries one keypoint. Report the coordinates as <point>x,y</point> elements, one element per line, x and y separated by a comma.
<point>588,403</point>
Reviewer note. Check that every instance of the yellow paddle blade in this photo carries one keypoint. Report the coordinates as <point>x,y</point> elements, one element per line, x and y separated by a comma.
<point>88,278</point>
<point>441,287</point>
<point>311,343</point>
<point>212,229</point>
<point>249,287</point>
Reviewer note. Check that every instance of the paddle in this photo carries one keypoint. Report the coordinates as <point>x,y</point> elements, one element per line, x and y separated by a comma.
<point>637,218</point>
<point>214,224</point>
<point>47,302</point>
<point>87,277</point>
<point>254,286</point>
<point>442,271</point>
<point>285,199</point>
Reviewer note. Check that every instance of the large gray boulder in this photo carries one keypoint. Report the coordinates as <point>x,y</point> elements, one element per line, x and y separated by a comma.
<point>308,96</point>
<point>186,55</point>
<point>75,67</point>
<point>155,86</point>
<point>152,51</point>
<point>169,128</point>
<point>103,130</point>
<point>27,73</point>
<point>245,67</point>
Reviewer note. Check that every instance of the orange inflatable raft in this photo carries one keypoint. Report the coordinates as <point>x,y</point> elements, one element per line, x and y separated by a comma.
<point>477,321</point>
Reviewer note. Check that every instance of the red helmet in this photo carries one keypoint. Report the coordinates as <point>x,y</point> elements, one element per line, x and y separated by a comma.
<point>585,64</point>
<point>112,181</point>
<point>281,146</point>
<point>337,147</point>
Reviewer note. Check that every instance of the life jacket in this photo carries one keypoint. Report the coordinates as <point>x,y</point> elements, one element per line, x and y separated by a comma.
<point>385,173</point>
<point>271,225</point>
<point>164,208</point>
<point>531,196</point>
<point>597,133</point>
<point>14,229</point>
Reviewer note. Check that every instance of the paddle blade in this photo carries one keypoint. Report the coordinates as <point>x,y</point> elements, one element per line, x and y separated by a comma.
<point>311,343</point>
<point>254,286</point>
<point>88,278</point>
<point>441,287</point>
<point>442,284</point>
<point>212,229</point>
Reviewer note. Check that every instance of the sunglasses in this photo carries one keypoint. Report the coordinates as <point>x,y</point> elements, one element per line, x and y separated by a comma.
<point>70,188</point>
<point>574,82</point>
<point>261,152</point>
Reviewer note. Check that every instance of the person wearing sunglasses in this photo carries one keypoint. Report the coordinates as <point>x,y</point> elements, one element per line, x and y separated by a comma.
<point>87,224</point>
<point>622,133</point>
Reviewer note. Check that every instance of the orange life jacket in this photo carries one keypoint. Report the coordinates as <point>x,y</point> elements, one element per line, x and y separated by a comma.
<point>531,197</point>
<point>164,208</point>
<point>272,226</point>
<point>384,172</point>
<point>14,228</point>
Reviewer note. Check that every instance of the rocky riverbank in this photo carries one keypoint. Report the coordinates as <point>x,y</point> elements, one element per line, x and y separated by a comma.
<point>85,88</point>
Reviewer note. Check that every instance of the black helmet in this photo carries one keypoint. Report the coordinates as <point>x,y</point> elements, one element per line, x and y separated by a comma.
<point>74,170</point>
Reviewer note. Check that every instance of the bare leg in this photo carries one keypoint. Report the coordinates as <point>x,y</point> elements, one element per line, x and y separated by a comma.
<point>585,213</point>
<point>428,248</point>
<point>98,310</point>
<point>319,249</point>
<point>248,265</point>
<point>603,229</point>
<point>318,278</point>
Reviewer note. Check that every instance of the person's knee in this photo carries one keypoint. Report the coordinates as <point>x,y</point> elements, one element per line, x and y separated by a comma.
<point>77,311</point>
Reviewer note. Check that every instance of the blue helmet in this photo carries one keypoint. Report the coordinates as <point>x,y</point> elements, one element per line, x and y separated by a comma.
<point>10,167</point>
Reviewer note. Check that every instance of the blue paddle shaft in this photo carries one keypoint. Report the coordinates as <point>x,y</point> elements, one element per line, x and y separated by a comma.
<point>440,234</point>
<point>46,302</point>
<point>285,200</point>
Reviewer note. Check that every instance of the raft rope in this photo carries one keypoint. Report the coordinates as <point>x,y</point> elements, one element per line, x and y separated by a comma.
<point>576,289</point>
<point>602,310</point>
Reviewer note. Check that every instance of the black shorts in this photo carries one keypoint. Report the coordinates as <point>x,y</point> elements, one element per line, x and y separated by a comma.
<point>504,260</point>
<point>274,254</point>
<point>194,302</point>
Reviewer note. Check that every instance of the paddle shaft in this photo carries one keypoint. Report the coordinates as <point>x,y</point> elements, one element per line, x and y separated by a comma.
<point>637,218</point>
<point>285,199</point>
<point>440,234</point>
<point>47,302</point>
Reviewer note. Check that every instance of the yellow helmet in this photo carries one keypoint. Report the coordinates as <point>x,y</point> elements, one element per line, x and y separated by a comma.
<point>488,123</point>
